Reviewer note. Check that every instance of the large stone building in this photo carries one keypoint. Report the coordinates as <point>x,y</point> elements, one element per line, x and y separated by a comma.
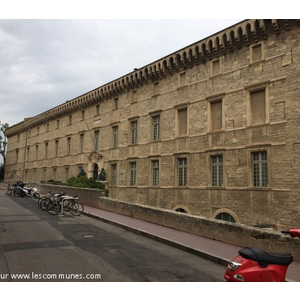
<point>212,129</point>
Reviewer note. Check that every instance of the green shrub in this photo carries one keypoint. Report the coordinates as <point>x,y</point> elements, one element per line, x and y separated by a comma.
<point>85,182</point>
<point>81,182</point>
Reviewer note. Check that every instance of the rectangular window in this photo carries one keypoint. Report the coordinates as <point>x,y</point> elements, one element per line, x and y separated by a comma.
<point>155,172</point>
<point>96,139</point>
<point>216,67</point>
<point>37,152</point>
<point>133,132</point>
<point>260,168</point>
<point>69,146</point>
<point>97,109</point>
<point>258,107</point>
<point>216,115</point>
<point>133,96</point>
<point>182,171</point>
<point>67,174</point>
<point>81,143</point>
<point>28,153</point>
<point>82,114</point>
<point>44,174</point>
<point>26,175</point>
<point>182,122</point>
<point>46,150</point>
<point>70,119</point>
<point>17,155</point>
<point>182,79</point>
<point>156,128</point>
<point>217,170</point>
<point>132,173</point>
<point>34,176</point>
<point>115,136</point>
<point>155,88</point>
<point>113,174</point>
<point>256,53</point>
<point>57,123</point>
<point>56,147</point>
<point>54,174</point>
<point>116,102</point>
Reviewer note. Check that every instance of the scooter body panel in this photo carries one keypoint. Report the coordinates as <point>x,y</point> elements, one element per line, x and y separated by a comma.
<point>26,191</point>
<point>295,232</point>
<point>256,265</point>
<point>251,271</point>
<point>29,192</point>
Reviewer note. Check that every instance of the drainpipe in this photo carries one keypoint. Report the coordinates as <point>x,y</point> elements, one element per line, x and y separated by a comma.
<point>25,150</point>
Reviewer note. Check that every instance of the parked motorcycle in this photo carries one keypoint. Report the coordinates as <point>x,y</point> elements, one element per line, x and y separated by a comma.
<point>26,191</point>
<point>256,265</point>
<point>16,187</point>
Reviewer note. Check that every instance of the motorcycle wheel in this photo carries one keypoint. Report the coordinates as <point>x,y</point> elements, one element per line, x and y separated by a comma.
<point>36,196</point>
<point>22,194</point>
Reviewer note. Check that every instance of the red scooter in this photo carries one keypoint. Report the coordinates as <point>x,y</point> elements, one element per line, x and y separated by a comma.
<point>256,265</point>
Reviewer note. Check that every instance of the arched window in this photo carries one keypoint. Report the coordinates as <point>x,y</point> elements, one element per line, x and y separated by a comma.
<point>95,171</point>
<point>181,210</point>
<point>225,217</point>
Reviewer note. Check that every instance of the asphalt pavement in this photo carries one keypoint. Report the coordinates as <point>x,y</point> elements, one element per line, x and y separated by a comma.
<point>216,251</point>
<point>213,250</point>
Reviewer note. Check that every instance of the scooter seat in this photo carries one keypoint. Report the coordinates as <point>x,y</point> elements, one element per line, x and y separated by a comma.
<point>265,258</point>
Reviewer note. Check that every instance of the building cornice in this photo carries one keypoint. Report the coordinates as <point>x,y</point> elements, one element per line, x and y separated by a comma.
<point>227,41</point>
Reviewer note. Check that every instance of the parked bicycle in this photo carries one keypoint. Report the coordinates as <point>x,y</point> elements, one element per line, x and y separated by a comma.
<point>10,189</point>
<point>15,188</point>
<point>46,200</point>
<point>55,203</point>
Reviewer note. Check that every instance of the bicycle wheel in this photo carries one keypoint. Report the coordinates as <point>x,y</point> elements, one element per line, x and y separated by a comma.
<point>9,191</point>
<point>54,208</point>
<point>40,200</point>
<point>44,203</point>
<point>77,209</point>
<point>16,192</point>
<point>67,204</point>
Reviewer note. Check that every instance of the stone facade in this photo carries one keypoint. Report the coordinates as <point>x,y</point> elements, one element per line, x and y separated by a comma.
<point>212,130</point>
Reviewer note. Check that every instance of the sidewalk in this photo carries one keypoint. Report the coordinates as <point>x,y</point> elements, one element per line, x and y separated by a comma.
<point>216,251</point>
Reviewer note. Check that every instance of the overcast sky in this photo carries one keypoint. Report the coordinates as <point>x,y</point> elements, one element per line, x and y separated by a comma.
<point>47,62</point>
<point>54,51</point>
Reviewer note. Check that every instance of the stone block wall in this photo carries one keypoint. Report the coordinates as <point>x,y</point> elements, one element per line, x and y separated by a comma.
<point>186,79</point>
<point>236,234</point>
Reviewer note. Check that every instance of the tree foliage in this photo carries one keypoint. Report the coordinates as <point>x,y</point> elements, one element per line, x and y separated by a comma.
<point>3,140</point>
<point>3,145</point>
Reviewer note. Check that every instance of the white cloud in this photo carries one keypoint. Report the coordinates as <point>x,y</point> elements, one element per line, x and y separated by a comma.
<point>47,62</point>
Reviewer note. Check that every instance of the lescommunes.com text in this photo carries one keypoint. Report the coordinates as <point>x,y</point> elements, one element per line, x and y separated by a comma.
<point>38,276</point>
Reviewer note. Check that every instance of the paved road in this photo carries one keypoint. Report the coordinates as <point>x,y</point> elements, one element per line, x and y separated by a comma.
<point>36,246</point>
